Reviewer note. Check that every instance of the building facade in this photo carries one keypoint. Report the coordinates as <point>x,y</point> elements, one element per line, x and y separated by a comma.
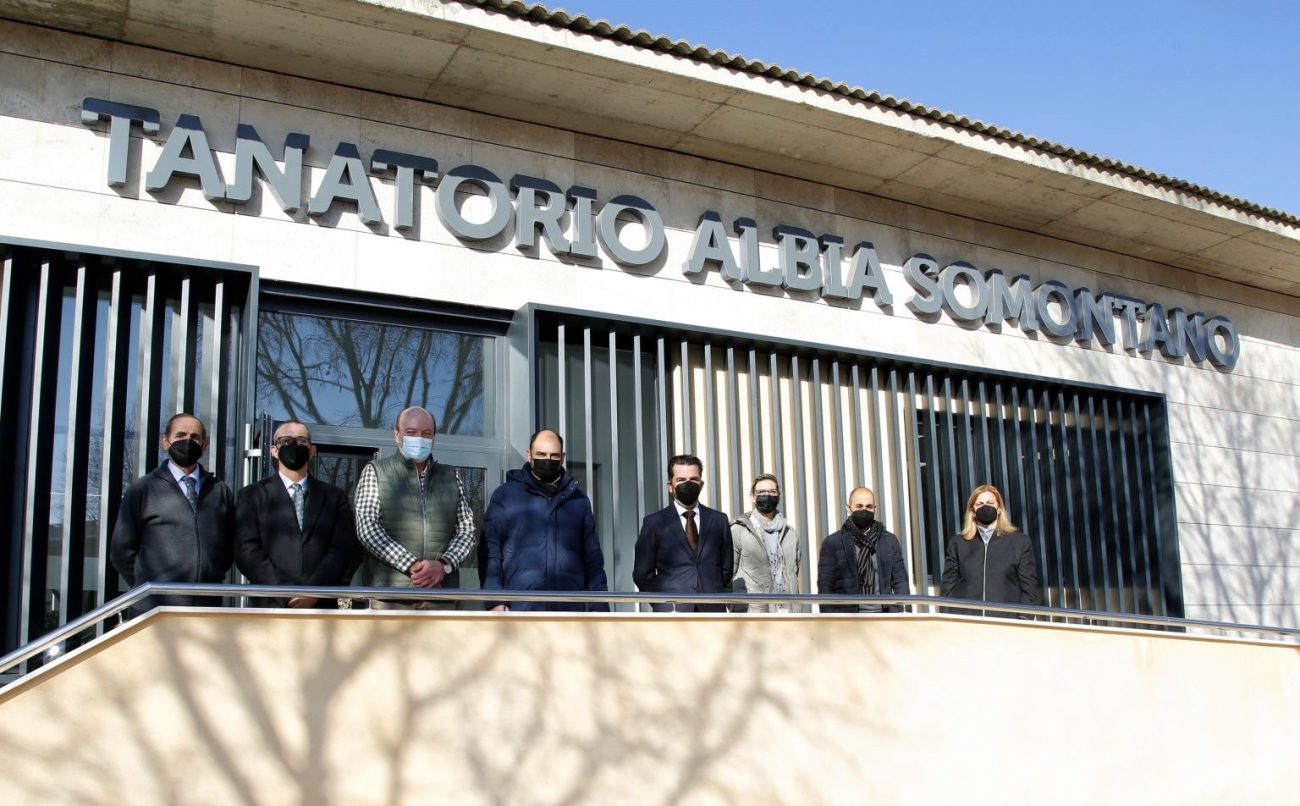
<point>520,219</point>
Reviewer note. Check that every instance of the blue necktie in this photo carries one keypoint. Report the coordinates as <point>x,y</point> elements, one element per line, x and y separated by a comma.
<point>190,493</point>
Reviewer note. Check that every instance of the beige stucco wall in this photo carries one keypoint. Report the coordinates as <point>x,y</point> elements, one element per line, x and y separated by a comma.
<point>475,708</point>
<point>1234,434</point>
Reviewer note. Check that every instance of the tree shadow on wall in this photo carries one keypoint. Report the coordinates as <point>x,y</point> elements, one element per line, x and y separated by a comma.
<point>495,719</point>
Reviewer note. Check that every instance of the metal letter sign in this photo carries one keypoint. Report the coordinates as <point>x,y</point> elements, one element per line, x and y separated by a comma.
<point>574,226</point>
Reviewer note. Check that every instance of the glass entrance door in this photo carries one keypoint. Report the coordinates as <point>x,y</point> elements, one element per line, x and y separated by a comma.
<point>341,465</point>
<point>342,452</point>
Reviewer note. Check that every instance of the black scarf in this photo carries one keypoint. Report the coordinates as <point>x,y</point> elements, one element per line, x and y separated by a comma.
<point>868,579</point>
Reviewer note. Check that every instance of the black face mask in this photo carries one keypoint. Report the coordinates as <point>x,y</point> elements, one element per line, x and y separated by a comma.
<point>546,470</point>
<point>294,456</point>
<point>986,514</point>
<point>862,518</point>
<point>688,492</point>
<point>767,504</point>
<point>185,452</point>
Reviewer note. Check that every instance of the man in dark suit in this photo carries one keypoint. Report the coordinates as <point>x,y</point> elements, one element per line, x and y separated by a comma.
<point>684,547</point>
<point>293,528</point>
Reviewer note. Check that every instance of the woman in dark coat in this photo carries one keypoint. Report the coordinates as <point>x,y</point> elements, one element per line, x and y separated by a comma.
<point>990,560</point>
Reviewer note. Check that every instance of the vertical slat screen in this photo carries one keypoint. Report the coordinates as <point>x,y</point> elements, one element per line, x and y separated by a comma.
<point>758,461</point>
<point>149,348</point>
<point>638,425</point>
<point>10,522</point>
<point>1151,479</point>
<point>841,438</point>
<point>800,508</point>
<point>1103,499</point>
<point>98,350</point>
<point>40,407</point>
<point>936,539</point>
<point>817,492</point>
<point>898,419</point>
<point>720,495</point>
<point>116,392</point>
<point>661,387</point>
<point>588,412</point>
<point>1067,498</point>
<point>918,558</point>
<point>180,392</point>
<point>77,450</point>
<point>1072,464</point>
<point>562,387</point>
<point>739,472</point>
<point>611,548</point>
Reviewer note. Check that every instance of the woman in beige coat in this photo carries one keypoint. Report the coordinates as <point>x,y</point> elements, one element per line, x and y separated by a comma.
<point>768,556</point>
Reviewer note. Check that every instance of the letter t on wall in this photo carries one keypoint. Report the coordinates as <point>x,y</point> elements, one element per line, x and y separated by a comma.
<point>383,161</point>
<point>121,117</point>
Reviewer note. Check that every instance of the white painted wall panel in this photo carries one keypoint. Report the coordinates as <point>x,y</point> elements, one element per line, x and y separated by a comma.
<point>1237,506</point>
<point>1205,544</point>
<point>1250,469</point>
<point>1228,584</point>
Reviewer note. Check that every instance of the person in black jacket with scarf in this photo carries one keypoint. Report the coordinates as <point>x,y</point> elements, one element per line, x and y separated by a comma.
<point>539,533</point>
<point>862,558</point>
<point>990,560</point>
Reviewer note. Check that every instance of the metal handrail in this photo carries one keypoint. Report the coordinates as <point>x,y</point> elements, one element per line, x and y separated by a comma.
<point>138,594</point>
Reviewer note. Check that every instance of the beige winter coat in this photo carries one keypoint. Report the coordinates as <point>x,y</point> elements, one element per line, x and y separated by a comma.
<point>751,563</point>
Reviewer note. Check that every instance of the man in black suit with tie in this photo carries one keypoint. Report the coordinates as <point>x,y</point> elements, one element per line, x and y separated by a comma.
<point>684,547</point>
<point>292,528</point>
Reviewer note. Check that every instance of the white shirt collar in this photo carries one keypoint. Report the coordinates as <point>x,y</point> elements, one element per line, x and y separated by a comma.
<point>179,474</point>
<point>288,482</point>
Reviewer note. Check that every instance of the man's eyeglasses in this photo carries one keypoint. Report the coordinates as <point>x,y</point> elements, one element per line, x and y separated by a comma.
<point>284,441</point>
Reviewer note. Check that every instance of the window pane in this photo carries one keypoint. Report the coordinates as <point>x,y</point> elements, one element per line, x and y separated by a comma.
<point>475,481</point>
<point>333,371</point>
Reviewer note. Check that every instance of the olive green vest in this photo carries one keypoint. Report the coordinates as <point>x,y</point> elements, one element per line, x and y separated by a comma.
<point>423,521</point>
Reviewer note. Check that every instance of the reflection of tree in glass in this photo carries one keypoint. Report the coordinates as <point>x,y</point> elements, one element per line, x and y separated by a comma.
<point>341,372</point>
<point>475,481</point>
<point>341,471</point>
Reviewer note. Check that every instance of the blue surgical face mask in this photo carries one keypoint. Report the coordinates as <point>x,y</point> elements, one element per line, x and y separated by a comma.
<point>417,449</point>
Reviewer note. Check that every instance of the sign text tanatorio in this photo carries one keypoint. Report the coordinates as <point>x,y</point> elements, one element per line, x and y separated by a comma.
<point>807,264</point>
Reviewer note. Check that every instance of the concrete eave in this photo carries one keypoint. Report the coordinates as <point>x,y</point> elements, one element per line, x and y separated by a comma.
<point>491,62</point>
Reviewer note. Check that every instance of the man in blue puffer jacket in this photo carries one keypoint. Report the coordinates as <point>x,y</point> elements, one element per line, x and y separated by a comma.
<point>539,533</point>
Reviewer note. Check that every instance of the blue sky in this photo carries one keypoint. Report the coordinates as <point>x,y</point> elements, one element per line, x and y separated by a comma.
<point>1202,91</point>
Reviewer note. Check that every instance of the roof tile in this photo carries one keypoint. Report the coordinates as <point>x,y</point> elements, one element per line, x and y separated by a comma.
<point>701,53</point>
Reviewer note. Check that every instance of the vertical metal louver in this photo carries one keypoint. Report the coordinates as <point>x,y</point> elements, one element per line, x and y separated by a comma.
<point>1085,470</point>
<point>98,350</point>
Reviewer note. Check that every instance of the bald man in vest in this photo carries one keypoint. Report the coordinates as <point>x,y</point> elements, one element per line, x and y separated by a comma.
<point>413,518</point>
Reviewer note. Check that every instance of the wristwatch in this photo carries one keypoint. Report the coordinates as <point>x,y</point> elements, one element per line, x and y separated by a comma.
<point>447,567</point>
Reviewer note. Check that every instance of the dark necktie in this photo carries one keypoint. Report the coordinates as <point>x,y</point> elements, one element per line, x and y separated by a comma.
<point>190,493</point>
<point>692,533</point>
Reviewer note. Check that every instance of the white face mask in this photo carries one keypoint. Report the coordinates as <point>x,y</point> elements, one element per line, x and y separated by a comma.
<point>417,449</point>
